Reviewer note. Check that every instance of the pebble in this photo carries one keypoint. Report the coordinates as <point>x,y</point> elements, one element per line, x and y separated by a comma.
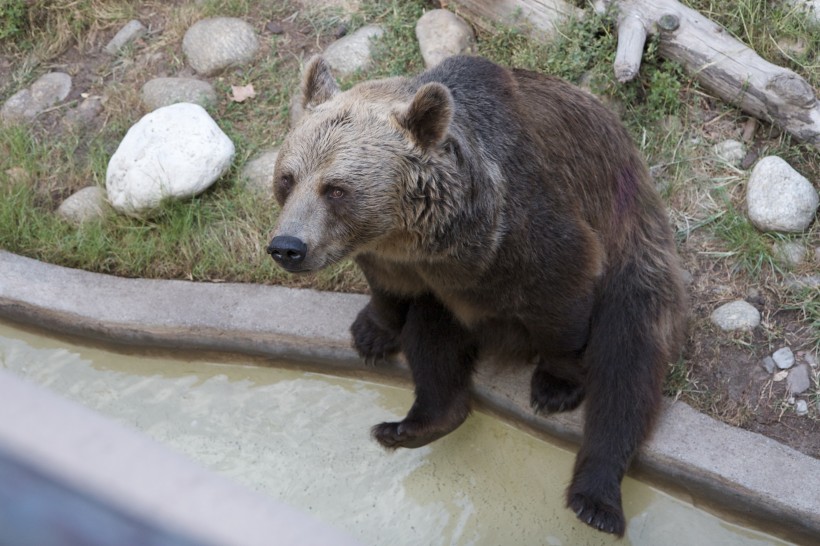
<point>789,253</point>
<point>161,92</point>
<point>258,173</point>
<point>175,151</point>
<point>85,205</point>
<point>806,282</point>
<point>810,359</point>
<point>353,52</point>
<point>212,45</point>
<point>784,358</point>
<point>799,379</point>
<point>736,315</point>
<point>779,198</point>
<point>441,34</point>
<point>730,151</point>
<point>84,113</point>
<point>26,104</point>
<point>780,376</point>
<point>801,407</point>
<point>132,30</point>
<point>768,364</point>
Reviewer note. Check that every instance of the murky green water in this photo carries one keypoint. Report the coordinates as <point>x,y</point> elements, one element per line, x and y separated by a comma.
<point>303,438</point>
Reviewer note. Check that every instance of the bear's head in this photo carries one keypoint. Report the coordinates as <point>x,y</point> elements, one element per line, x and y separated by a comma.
<point>361,171</point>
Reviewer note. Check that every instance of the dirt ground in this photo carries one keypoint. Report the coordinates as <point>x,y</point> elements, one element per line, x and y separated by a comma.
<point>720,373</point>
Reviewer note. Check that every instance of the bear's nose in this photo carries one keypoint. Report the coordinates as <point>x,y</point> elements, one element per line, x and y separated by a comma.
<point>287,251</point>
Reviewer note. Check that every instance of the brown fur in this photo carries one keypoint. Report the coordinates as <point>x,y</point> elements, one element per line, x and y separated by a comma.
<point>486,205</point>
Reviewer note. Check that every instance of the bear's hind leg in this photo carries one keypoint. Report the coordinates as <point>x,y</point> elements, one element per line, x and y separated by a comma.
<point>441,354</point>
<point>552,391</point>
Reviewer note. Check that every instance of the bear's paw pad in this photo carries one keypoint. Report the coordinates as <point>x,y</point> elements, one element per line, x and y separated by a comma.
<point>404,434</point>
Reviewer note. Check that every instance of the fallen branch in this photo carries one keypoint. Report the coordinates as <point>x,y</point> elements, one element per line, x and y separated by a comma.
<point>722,64</point>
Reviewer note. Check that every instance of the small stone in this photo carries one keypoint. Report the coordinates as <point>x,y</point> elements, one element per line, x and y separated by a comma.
<point>749,159</point>
<point>801,407</point>
<point>258,173</point>
<point>212,45</point>
<point>806,282</point>
<point>45,92</point>
<point>84,113</point>
<point>441,34</point>
<point>780,376</point>
<point>784,358</point>
<point>161,92</point>
<point>730,151</point>
<point>810,359</point>
<point>274,27</point>
<point>85,205</point>
<point>799,379</point>
<point>173,152</point>
<point>810,7</point>
<point>790,47</point>
<point>779,198</point>
<point>789,253</point>
<point>353,52</point>
<point>132,30</point>
<point>736,315</point>
<point>768,364</point>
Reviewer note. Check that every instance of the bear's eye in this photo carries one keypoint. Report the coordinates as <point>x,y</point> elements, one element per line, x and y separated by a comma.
<point>335,192</point>
<point>286,183</point>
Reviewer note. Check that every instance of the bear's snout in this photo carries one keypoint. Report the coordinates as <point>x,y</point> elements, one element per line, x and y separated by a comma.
<point>287,251</point>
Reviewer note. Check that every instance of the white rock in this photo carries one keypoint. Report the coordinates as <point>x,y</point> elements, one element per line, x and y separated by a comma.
<point>351,53</point>
<point>783,358</point>
<point>779,198</point>
<point>780,376</point>
<point>799,379</point>
<point>730,151</point>
<point>175,151</point>
<point>258,173</point>
<point>212,45</point>
<point>801,407</point>
<point>806,282</point>
<point>790,253</point>
<point>441,34</point>
<point>736,315</point>
<point>86,204</point>
<point>161,92</point>
<point>132,30</point>
<point>45,92</point>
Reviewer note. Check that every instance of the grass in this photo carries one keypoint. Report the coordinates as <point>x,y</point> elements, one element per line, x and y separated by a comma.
<point>219,235</point>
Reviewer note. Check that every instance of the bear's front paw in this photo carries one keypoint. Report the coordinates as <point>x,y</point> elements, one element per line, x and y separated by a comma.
<point>405,434</point>
<point>604,516</point>
<point>372,341</point>
<point>550,394</point>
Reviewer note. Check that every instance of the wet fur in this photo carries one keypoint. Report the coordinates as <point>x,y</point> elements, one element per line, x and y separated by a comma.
<point>486,205</point>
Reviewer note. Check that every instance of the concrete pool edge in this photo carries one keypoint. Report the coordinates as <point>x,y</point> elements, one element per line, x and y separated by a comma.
<point>741,473</point>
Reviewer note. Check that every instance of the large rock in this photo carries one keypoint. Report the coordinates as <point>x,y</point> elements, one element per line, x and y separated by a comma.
<point>441,34</point>
<point>175,151</point>
<point>213,45</point>
<point>45,92</point>
<point>352,52</point>
<point>779,198</point>
<point>736,315</point>
<point>161,92</point>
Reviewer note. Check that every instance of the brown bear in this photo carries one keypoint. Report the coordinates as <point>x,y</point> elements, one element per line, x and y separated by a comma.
<point>492,210</point>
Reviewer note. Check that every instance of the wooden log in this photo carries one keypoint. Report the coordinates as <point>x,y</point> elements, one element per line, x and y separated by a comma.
<point>631,39</point>
<point>544,16</point>
<point>725,66</point>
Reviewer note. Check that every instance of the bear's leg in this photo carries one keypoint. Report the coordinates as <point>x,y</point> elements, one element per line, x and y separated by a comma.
<point>441,354</point>
<point>555,384</point>
<point>378,326</point>
<point>624,362</point>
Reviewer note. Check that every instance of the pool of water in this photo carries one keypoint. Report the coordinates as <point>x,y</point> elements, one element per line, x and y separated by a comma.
<point>303,438</point>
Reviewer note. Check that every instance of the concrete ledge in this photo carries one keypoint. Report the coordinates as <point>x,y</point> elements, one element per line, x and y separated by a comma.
<point>739,473</point>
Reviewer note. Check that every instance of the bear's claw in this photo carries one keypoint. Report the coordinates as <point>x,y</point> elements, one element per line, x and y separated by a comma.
<point>598,514</point>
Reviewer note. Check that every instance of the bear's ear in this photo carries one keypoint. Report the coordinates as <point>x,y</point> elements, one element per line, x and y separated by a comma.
<point>318,84</point>
<point>429,114</point>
